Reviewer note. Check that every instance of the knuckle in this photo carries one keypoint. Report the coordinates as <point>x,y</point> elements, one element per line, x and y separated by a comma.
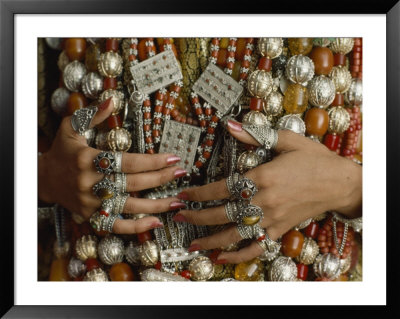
<point>82,157</point>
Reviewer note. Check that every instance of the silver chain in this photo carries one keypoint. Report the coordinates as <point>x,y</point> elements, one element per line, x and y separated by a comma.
<point>343,243</point>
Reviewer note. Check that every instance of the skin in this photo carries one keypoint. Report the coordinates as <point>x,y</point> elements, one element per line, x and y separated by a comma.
<point>304,180</point>
<point>67,175</point>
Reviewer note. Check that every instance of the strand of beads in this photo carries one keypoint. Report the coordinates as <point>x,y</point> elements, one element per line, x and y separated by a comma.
<point>230,61</point>
<point>199,111</point>
<point>245,64</point>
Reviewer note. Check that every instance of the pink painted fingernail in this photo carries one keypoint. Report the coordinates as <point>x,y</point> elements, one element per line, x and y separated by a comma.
<point>180,173</point>
<point>105,104</point>
<point>235,126</point>
<point>157,225</point>
<point>177,205</point>
<point>221,261</point>
<point>179,218</point>
<point>173,159</point>
<point>183,196</point>
<point>194,247</point>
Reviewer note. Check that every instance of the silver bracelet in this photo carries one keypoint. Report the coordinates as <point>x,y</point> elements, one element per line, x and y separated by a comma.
<point>355,223</point>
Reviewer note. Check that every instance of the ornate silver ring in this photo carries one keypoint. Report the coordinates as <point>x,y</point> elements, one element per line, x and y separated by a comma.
<point>120,182</point>
<point>231,211</point>
<point>263,134</point>
<point>240,187</point>
<point>105,189</point>
<point>105,163</point>
<point>81,119</point>
<point>119,203</point>
<point>118,162</point>
<point>103,221</point>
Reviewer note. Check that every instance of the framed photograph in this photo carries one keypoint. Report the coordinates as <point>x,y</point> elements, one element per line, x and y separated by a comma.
<point>29,27</point>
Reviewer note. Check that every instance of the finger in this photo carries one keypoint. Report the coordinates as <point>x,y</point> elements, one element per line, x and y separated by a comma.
<point>208,216</point>
<point>287,140</point>
<point>129,226</point>
<point>222,239</point>
<point>137,163</point>
<point>151,206</point>
<point>236,257</point>
<point>141,181</point>
<point>104,111</point>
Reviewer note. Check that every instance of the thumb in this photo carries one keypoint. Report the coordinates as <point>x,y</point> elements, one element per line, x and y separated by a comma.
<point>287,140</point>
<point>104,111</point>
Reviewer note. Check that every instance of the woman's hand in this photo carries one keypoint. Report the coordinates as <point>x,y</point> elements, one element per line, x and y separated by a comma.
<point>304,180</point>
<point>67,175</point>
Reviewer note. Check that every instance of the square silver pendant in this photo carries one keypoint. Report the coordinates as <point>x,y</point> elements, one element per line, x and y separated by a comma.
<point>156,72</point>
<point>218,88</point>
<point>181,140</point>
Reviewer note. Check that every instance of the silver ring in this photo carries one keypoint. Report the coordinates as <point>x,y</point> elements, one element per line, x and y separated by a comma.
<point>249,215</point>
<point>103,221</point>
<point>120,182</point>
<point>81,119</point>
<point>105,163</point>
<point>118,162</point>
<point>263,134</point>
<point>231,211</point>
<point>240,187</point>
<point>246,232</point>
<point>119,203</point>
<point>105,189</point>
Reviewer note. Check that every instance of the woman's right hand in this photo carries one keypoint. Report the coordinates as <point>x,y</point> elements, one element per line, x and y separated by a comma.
<point>67,175</point>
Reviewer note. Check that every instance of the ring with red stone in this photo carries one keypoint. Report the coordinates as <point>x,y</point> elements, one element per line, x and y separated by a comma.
<point>241,188</point>
<point>105,163</point>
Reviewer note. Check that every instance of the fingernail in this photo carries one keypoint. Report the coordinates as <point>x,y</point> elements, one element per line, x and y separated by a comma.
<point>194,247</point>
<point>157,225</point>
<point>183,196</point>
<point>177,205</point>
<point>220,261</point>
<point>214,255</point>
<point>237,127</point>
<point>173,159</point>
<point>179,218</point>
<point>105,104</point>
<point>179,173</point>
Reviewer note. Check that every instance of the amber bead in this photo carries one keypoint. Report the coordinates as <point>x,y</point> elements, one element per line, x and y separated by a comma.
<point>338,100</point>
<point>112,45</point>
<point>223,43</point>
<point>300,45</point>
<point>75,102</point>
<point>110,83</point>
<point>92,263</point>
<point>59,270</point>
<point>142,49</point>
<point>114,121</point>
<point>92,57</point>
<point>236,70</point>
<point>240,47</point>
<point>311,230</point>
<point>317,121</point>
<point>339,59</point>
<point>292,243</point>
<point>121,272</point>
<point>104,163</point>
<point>249,271</point>
<point>145,236</point>
<point>323,60</point>
<point>265,64</point>
<point>75,48</point>
<point>295,99</point>
<point>302,271</point>
<point>256,104</point>
<point>222,55</point>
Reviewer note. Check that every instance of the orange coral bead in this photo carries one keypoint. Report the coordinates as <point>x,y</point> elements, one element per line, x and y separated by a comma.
<point>75,48</point>
<point>292,243</point>
<point>121,272</point>
<point>317,121</point>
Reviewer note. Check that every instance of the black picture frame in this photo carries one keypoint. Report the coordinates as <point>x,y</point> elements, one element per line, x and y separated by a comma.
<point>8,10</point>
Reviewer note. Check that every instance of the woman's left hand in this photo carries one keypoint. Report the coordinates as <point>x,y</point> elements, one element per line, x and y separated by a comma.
<point>304,180</point>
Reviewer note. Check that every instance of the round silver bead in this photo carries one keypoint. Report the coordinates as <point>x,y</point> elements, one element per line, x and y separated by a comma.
<point>270,47</point>
<point>247,161</point>
<point>92,85</point>
<point>111,250</point>
<point>201,268</point>
<point>293,123</point>
<point>327,266</point>
<point>354,94</point>
<point>54,43</point>
<point>61,251</point>
<point>96,274</point>
<point>342,45</point>
<point>339,120</point>
<point>309,251</point>
<point>76,268</point>
<point>73,75</point>
<point>119,139</point>
<point>132,254</point>
<point>272,252</point>
<point>117,98</point>
<point>62,61</point>
<point>256,118</point>
<point>282,269</point>
<point>300,69</point>
<point>59,100</point>
<point>321,91</point>
<point>101,140</point>
<point>110,64</point>
<point>273,104</point>
<point>136,99</point>
<point>149,253</point>
<point>345,264</point>
<point>260,83</point>
<point>341,78</point>
<point>86,247</point>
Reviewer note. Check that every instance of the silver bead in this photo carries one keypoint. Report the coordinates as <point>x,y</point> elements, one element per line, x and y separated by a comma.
<point>61,251</point>
<point>247,161</point>
<point>54,43</point>
<point>96,274</point>
<point>86,247</point>
<point>304,224</point>
<point>132,254</point>
<point>73,75</point>
<point>309,251</point>
<point>327,266</point>
<point>111,250</point>
<point>110,64</point>
<point>345,264</point>
<point>300,69</point>
<point>321,91</point>
<point>342,45</point>
<point>76,268</point>
<point>270,47</point>
<point>341,78</point>
<point>90,136</point>
<point>59,100</point>
<point>260,83</point>
<point>293,123</point>
<point>62,61</point>
<point>136,99</point>
<point>149,253</point>
<point>256,118</point>
<point>339,120</point>
<point>117,98</point>
<point>284,82</point>
<point>354,94</point>
<point>92,85</point>
<point>152,274</point>
<point>228,279</point>
<point>282,269</point>
<point>119,139</point>
<point>273,104</point>
<point>101,140</point>
<point>201,268</point>
<point>272,252</point>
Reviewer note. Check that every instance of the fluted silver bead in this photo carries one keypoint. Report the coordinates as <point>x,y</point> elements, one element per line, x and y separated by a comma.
<point>341,78</point>
<point>339,120</point>
<point>282,269</point>
<point>86,247</point>
<point>76,268</point>
<point>247,161</point>
<point>132,254</point>
<point>354,94</point>
<point>309,251</point>
<point>300,69</point>
<point>327,266</point>
<point>73,75</point>
<point>273,104</point>
<point>342,45</point>
<point>321,91</point>
<point>201,268</point>
<point>96,274</point>
<point>119,139</point>
<point>59,100</point>
<point>293,123</point>
<point>110,64</point>
<point>117,98</point>
<point>270,47</point>
<point>260,83</point>
<point>92,85</point>
<point>256,118</point>
<point>111,250</point>
<point>149,253</point>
